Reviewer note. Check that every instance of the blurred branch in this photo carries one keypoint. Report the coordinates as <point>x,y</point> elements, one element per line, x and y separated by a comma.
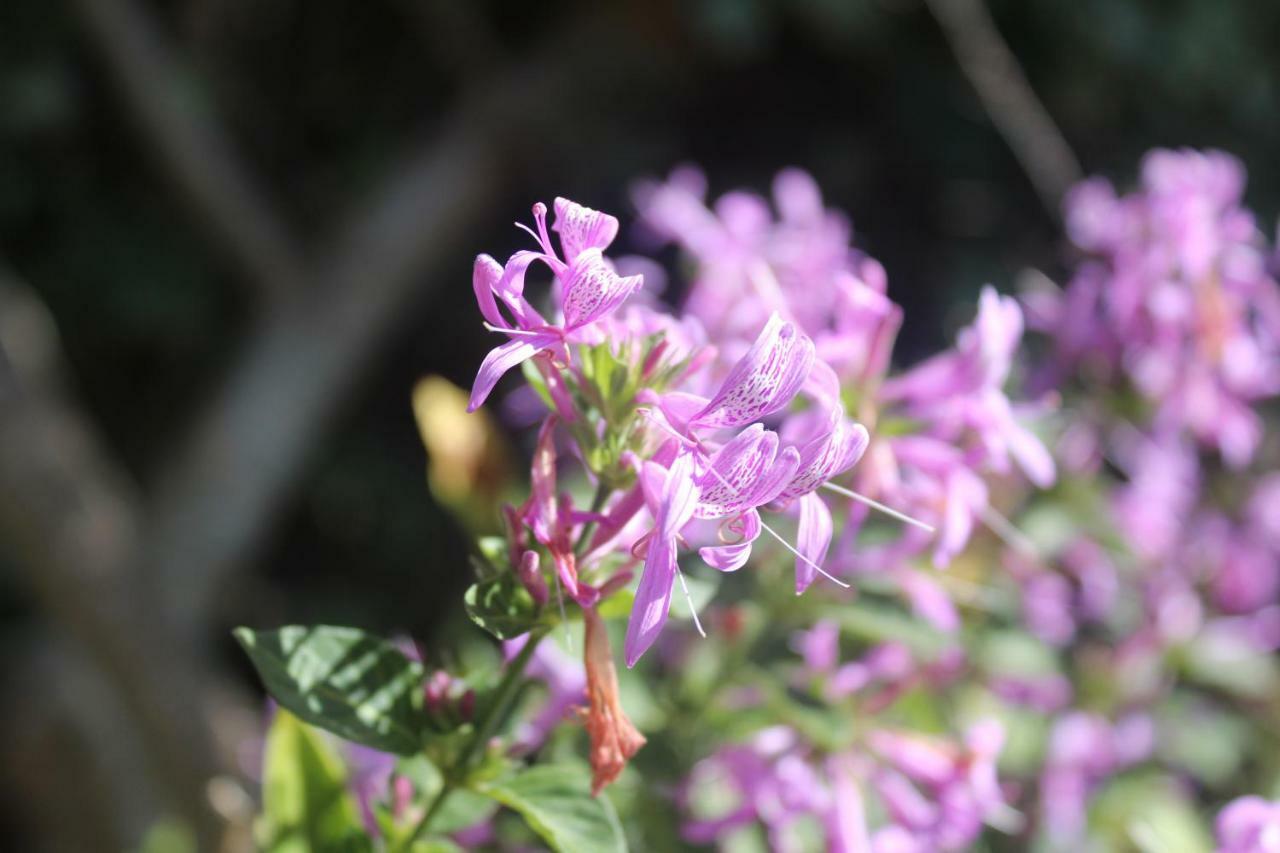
<point>193,148</point>
<point>222,490</point>
<point>1017,113</point>
<point>72,518</point>
<point>133,582</point>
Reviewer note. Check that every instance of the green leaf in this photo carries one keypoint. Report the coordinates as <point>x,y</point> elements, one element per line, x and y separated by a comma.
<point>463,808</point>
<point>343,680</point>
<point>502,606</point>
<point>556,802</point>
<point>306,805</point>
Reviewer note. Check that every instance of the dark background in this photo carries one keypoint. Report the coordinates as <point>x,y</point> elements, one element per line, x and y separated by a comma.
<point>307,113</point>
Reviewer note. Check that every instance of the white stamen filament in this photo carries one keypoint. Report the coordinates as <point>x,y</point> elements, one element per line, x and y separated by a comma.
<point>689,598</point>
<point>794,550</point>
<point>879,507</point>
<point>1006,532</point>
<point>513,332</point>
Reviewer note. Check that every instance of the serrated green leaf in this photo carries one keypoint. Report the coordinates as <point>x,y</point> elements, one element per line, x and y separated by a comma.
<point>556,802</point>
<point>306,805</point>
<point>343,680</point>
<point>502,606</point>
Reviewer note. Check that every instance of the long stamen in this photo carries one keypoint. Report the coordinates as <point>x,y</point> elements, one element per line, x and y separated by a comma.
<point>876,505</point>
<point>540,217</point>
<point>1005,530</point>
<point>793,550</point>
<point>531,233</point>
<point>528,333</point>
<point>689,598</point>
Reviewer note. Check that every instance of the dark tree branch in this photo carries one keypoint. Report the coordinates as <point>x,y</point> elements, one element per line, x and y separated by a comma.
<point>193,150</point>
<point>1008,98</point>
<point>71,519</point>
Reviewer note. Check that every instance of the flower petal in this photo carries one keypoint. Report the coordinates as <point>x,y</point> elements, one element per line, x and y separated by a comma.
<point>730,558</point>
<point>653,598</point>
<point>764,380</point>
<point>594,290</point>
<point>826,456</point>
<point>581,228</point>
<point>743,474</point>
<point>500,360</point>
<point>485,275</point>
<point>813,538</point>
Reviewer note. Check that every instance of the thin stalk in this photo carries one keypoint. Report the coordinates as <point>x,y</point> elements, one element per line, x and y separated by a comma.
<point>501,699</point>
<point>589,529</point>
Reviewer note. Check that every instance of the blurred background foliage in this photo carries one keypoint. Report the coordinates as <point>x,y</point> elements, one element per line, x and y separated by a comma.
<point>319,100</point>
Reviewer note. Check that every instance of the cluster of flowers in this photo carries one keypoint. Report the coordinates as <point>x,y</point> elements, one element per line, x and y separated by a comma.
<point>699,427</point>
<point>1169,332</point>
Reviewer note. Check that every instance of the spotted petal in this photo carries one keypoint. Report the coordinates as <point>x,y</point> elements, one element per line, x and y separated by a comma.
<point>745,473</point>
<point>826,456</point>
<point>764,380</point>
<point>594,290</point>
<point>582,228</point>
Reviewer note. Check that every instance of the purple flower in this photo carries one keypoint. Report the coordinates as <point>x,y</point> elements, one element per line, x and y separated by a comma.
<point>589,289</point>
<point>1249,825</point>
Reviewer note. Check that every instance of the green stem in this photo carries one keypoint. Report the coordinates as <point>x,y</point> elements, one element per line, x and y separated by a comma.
<point>484,730</point>
<point>589,529</point>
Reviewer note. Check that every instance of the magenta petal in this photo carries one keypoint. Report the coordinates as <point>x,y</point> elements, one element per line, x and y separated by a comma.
<point>594,290</point>
<point>653,598</point>
<point>485,275</point>
<point>500,360</point>
<point>732,474</point>
<point>827,456</point>
<point>764,380</point>
<point>581,228</point>
<point>813,538</point>
<point>730,558</point>
<point>1031,455</point>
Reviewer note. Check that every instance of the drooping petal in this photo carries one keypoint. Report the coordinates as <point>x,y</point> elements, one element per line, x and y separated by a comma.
<point>679,496</point>
<point>1030,454</point>
<point>485,275</point>
<point>510,288</point>
<point>653,598</point>
<point>500,360</point>
<point>813,538</point>
<point>594,290</point>
<point>764,380</point>
<point>966,496</point>
<point>581,228</point>
<point>733,556</point>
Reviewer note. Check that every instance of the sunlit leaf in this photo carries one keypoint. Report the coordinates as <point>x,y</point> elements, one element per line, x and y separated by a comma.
<point>343,680</point>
